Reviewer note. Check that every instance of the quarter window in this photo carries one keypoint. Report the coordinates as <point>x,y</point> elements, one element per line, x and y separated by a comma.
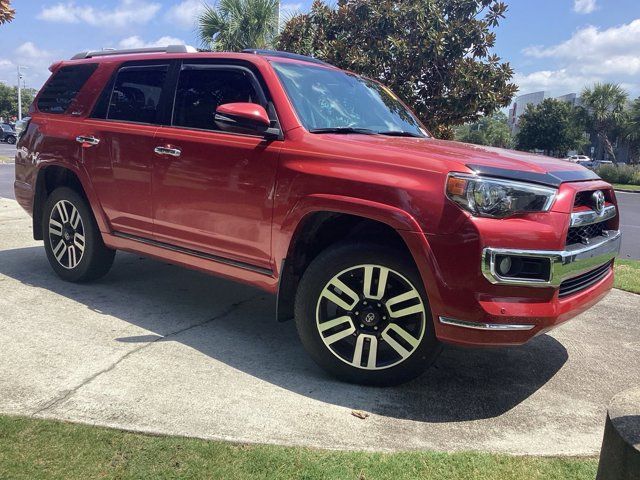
<point>62,88</point>
<point>201,90</point>
<point>136,94</point>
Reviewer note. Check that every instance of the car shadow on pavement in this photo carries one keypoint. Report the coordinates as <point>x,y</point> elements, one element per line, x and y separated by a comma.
<point>464,384</point>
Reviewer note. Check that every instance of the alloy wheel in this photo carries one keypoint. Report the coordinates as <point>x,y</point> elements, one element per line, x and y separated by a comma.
<point>66,234</point>
<point>371,317</point>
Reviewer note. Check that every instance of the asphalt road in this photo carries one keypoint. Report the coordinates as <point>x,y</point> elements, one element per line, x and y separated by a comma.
<point>629,206</point>
<point>160,349</point>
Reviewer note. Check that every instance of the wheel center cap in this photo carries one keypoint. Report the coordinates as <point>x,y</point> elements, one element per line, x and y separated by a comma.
<point>67,234</point>
<point>369,318</point>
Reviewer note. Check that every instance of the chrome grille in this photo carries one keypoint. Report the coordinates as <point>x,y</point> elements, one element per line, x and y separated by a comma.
<point>581,282</point>
<point>585,233</point>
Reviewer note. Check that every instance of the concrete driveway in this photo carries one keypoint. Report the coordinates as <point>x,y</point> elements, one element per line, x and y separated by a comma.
<point>156,348</point>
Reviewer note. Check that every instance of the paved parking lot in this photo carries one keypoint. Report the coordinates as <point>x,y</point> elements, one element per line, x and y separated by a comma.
<point>156,348</point>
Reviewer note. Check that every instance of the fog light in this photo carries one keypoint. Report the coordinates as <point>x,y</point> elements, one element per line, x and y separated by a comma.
<point>504,266</point>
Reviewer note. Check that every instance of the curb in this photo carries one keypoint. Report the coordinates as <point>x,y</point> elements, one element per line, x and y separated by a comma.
<point>625,191</point>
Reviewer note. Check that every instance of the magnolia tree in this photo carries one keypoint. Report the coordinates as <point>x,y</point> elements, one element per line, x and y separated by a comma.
<point>435,54</point>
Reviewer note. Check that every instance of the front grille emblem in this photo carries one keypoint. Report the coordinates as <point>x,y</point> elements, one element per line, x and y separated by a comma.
<point>597,201</point>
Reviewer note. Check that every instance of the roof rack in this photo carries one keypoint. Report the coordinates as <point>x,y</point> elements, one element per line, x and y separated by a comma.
<point>281,54</point>
<point>112,51</point>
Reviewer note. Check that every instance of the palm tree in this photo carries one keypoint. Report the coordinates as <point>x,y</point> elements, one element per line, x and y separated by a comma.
<point>632,128</point>
<point>6,12</point>
<point>233,25</point>
<point>605,104</point>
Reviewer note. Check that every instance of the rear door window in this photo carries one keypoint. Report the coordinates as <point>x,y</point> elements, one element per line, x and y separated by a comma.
<point>137,93</point>
<point>63,87</point>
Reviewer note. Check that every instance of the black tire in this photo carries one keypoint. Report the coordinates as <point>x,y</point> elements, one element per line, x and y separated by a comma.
<point>95,259</point>
<point>350,259</point>
<point>11,140</point>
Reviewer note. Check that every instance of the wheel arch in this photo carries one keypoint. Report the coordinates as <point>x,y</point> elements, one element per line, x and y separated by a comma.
<point>53,175</point>
<point>319,221</point>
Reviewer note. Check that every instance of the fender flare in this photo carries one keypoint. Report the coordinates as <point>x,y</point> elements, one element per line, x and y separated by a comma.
<point>401,221</point>
<point>86,185</point>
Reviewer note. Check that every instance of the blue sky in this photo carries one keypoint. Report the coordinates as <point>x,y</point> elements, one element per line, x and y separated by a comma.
<point>554,45</point>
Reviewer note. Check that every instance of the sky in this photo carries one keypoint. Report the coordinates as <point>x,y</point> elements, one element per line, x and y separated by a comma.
<point>559,46</point>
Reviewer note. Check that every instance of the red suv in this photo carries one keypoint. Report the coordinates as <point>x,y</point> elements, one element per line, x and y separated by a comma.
<point>317,185</point>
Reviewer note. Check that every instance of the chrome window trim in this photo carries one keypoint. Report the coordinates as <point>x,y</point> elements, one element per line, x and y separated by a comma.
<point>565,264</point>
<point>589,217</point>
<point>486,326</point>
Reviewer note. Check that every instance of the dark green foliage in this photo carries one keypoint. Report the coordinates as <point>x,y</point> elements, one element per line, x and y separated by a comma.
<point>491,130</point>
<point>552,126</point>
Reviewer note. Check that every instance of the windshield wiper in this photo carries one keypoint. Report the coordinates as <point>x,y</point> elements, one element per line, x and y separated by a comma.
<point>364,131</point>
<point>400,133</point>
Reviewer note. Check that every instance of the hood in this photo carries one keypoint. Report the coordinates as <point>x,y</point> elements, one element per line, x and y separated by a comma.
<point>432,154</point>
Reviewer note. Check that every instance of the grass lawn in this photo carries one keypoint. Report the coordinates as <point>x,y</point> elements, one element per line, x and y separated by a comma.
<point>628,275</point>
<point>4,159</point>
<point>34,449</point>
<point>626,187</point>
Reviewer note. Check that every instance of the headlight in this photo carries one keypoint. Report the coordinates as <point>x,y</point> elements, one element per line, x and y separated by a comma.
<point>493,197</point>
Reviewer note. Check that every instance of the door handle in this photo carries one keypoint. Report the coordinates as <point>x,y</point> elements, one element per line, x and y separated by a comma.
<point>87,140</point>
<point>174,152</point>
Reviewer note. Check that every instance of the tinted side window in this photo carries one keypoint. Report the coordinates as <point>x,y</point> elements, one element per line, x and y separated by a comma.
<point>201,90</point>
<point>136,94</point>
<point>59,92</point>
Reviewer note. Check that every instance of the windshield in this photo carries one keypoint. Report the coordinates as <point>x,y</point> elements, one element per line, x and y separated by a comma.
<point>327,99</point>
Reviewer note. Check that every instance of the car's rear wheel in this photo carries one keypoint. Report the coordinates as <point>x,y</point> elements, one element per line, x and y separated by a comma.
<point>363,315</point>
<point>11,140</point>
<point>72,239</point>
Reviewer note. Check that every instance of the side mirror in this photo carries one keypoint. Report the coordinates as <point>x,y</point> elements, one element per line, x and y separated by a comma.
<point>245,116</point>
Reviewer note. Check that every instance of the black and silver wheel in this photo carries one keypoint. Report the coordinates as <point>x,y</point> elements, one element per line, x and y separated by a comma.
<point>11,140</point>
<point>363,315</point>
<point>72,240</point>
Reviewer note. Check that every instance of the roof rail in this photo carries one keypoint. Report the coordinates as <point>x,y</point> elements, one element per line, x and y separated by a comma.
<point>167,49</point>
<point>281,54</point>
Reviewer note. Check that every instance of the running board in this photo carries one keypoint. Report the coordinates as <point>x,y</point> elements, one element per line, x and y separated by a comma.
<point>195,253</point>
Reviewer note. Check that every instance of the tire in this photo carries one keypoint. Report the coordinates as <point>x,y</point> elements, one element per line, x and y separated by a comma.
<point>11,140</point>
<point>72,239</point>
<point>381,337</point>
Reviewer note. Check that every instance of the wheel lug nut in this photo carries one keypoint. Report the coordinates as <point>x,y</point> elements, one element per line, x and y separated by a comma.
<point>384,318</point>
<point>361,325</point>
<point>379,305</point>
<point>357,313</point>
<point>375,328</point>
<point>365,303</point>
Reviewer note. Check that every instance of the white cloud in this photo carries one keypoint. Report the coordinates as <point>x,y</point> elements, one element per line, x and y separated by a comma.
<point>590,55</point>
<point>136,42</point>
<point>185,14</point>
<point>290,9</point>
<point>34,62</point>
<point>584,6</point>
<point>126,13</point>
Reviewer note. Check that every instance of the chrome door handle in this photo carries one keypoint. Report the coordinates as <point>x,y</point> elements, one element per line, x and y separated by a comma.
<point>174,152</point>
<point>87,140</point>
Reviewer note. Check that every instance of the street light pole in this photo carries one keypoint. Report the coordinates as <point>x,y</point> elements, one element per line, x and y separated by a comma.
<point>19,94</point>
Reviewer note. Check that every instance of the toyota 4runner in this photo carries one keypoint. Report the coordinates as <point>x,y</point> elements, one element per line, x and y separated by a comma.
<point>317,185</point>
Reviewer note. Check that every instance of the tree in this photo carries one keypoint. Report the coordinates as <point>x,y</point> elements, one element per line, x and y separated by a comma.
<point>552,126</point>
<point>490,130</point>
<point>631,129</point>
<point>6,12</point>
<point>604,105</point>
<point>233,25</point>
<point>433,53</point>
<point>9,100</point>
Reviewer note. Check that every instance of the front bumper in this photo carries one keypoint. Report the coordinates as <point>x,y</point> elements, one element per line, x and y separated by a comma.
<point>564,264</point>
<point>515,320</point>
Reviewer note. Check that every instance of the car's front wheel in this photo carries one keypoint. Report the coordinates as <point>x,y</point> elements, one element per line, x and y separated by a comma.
<point>363,315</point>
<point>72,239</point>
<point>11,140</point>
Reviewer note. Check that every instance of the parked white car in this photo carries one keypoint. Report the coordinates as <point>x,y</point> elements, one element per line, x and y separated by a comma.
<point>578,158</point>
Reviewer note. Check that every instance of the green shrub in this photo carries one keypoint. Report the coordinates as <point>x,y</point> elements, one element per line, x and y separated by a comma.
<point>622,174</point>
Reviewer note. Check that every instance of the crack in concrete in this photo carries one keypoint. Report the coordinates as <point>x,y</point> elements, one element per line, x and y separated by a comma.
<point>66,394</point>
